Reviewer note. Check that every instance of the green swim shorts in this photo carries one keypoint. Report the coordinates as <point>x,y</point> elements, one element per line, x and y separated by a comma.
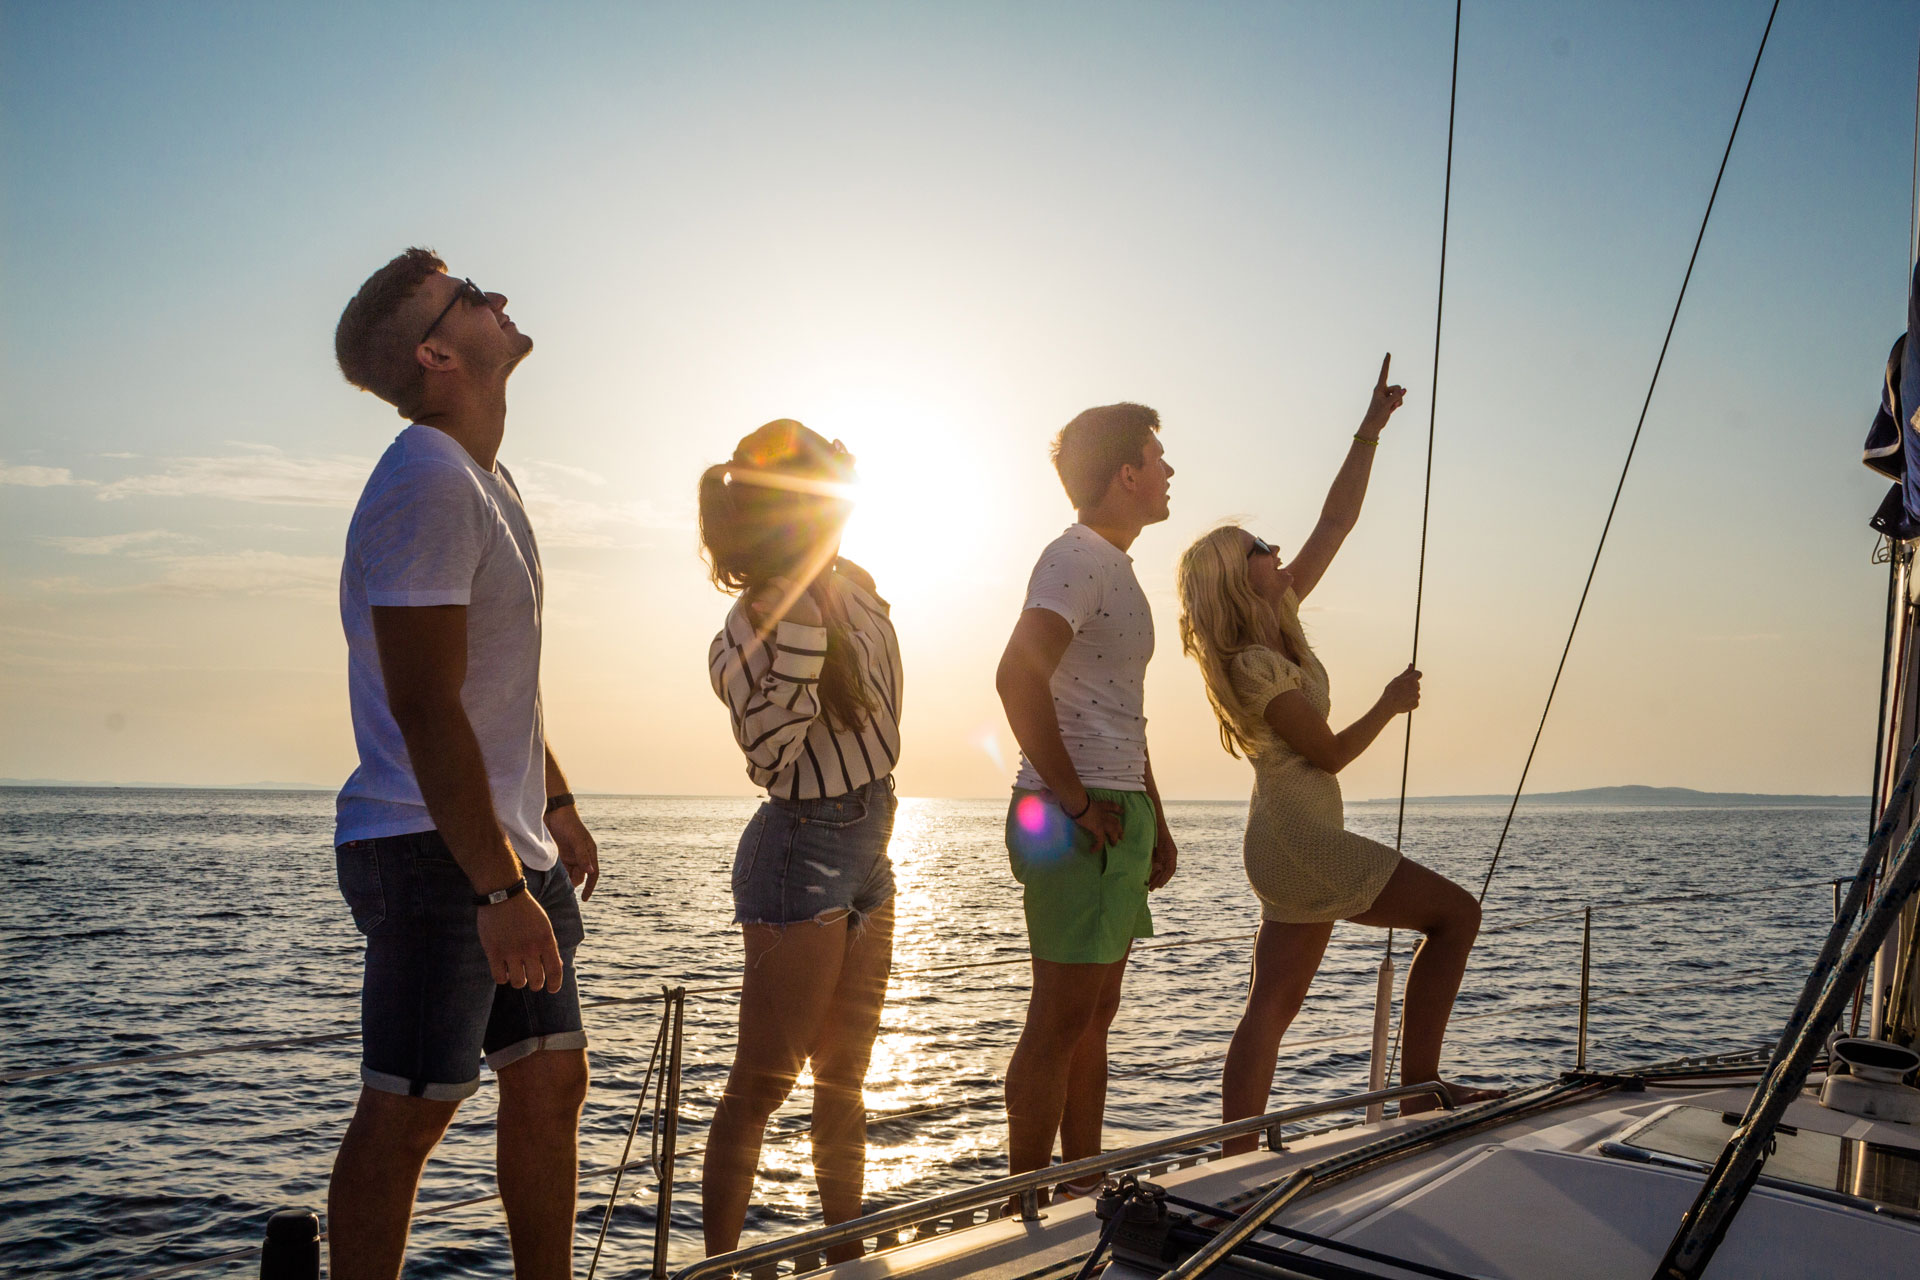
<point>1082,907</point>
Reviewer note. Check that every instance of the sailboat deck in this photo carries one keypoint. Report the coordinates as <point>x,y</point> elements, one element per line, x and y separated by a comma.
<point>1557,1194</point>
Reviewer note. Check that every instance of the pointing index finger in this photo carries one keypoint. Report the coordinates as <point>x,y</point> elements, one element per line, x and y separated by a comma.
<point>1385,365</point>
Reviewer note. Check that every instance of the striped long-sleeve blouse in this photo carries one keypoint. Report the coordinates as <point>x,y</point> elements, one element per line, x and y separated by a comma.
<point>772,690</point>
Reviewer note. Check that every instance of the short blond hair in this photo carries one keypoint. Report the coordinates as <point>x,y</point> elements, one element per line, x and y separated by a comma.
<point>1089,451</point>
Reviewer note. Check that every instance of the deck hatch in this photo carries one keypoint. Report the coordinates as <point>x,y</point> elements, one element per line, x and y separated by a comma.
<point>1824,1162</point>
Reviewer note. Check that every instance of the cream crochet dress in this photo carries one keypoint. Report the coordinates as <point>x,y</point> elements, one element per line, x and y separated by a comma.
<point>1303,864</point>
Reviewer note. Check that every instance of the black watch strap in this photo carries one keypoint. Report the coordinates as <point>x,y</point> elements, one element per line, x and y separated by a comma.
<point>501,895</point>
<point>560,801</point>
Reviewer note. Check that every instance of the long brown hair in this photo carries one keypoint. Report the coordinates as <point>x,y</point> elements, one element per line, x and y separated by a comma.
<point>776,510</point>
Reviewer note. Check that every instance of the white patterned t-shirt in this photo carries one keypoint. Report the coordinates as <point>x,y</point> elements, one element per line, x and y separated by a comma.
<point>1099,688</point>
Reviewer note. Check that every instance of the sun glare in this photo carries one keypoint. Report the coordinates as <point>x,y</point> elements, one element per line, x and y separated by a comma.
<point>927,517</point>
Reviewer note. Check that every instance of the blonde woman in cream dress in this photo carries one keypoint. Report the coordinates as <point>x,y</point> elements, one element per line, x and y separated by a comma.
<point>1239,618</point>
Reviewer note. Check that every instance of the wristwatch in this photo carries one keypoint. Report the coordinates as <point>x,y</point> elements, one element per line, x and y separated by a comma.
<point>500,895</point>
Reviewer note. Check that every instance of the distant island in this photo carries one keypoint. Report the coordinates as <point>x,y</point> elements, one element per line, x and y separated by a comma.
<point>1635,797</point>
<point>1639,797</point>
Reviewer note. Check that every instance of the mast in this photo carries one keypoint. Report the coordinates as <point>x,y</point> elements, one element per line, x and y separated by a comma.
<point>1894,995</point>
<point>1890,999</point>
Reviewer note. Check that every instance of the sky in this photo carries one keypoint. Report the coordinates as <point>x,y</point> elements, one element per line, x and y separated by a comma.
<point>937,232</point>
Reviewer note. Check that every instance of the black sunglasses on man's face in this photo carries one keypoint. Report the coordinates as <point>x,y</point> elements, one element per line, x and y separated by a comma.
<point>468,290</point>
<point>1261,547</point>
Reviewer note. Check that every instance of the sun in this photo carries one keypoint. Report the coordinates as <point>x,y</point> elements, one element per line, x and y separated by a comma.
<point>927,519</point>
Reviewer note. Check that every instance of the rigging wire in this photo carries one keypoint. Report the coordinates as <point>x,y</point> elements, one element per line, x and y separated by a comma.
<point>1426,496</point>
<point>1887,661</point>
<point>1913,206</point>
<point>1433,408</point>
<point>1635,444</point>
<point>626,1153</point>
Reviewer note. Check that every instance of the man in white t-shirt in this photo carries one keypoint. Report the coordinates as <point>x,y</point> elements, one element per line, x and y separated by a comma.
<point>1085,832</point>
<point>458,845</point>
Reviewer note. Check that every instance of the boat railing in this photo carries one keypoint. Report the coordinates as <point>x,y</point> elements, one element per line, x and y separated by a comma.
<point>952,1209</point>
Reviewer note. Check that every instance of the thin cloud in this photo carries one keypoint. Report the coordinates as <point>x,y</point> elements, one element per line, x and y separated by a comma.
<point>567,471</point>
<point>37,477</point>
<point>66,640</point>
<point>267,476</point>
<point>231,573</point>
<point>563,519</point>
<point>575,522</point>
<point>144,542</point>
<point>562,516</point>
<point>252,573</point>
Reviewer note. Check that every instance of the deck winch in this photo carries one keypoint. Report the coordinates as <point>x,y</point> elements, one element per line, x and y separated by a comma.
<point>1875,1084</point>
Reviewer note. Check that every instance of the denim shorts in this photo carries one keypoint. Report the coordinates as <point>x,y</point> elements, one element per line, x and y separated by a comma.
<point>429,1007</point>
<point>816,859</point>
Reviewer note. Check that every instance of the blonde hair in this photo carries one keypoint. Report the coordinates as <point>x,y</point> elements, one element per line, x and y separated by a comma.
<point>1221,617</point>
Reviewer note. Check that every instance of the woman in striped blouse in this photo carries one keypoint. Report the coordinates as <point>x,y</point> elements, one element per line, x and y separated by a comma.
<point>809,668</point>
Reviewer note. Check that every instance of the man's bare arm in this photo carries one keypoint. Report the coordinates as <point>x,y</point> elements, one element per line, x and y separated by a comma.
<point>556,778</point>
<point>423,662</point>
<point>1024,680</point>
<point>1166,855</point>
<point>579,852</point>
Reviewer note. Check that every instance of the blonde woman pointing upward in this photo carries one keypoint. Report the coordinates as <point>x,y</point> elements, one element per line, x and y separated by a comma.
<point>1240,619</point>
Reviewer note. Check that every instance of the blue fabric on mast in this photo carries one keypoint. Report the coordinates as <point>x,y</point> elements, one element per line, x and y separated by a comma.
<point>1885,451</point>
<point>1910,412</point>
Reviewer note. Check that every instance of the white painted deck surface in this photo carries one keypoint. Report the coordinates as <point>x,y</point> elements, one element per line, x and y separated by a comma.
<point>1531,1200</point>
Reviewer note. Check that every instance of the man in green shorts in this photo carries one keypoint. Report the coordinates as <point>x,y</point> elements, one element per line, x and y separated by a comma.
<point>1085,831</point>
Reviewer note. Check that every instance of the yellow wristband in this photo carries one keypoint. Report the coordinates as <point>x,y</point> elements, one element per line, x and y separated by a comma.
<point>1375,442</point>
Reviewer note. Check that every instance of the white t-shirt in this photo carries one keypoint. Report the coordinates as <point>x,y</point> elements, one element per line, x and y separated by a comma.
<point>432,528</point>
<point>1099,688</point>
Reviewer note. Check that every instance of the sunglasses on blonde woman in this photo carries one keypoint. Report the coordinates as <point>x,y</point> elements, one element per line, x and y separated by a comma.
<point>1261,547</point>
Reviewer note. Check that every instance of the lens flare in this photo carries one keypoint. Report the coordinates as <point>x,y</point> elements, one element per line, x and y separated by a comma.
<point>1032,815</point>
<point>988,740</point>
<point>1042,833</point>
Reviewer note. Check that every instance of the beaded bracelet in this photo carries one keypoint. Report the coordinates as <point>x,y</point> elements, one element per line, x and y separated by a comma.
<point>1375,441</point>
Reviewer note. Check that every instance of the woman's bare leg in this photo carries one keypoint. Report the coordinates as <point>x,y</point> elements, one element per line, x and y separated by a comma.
<point>1285,958</point>
<point>841,1053</point>
<point>792,974</point>
<point>1416,898</point>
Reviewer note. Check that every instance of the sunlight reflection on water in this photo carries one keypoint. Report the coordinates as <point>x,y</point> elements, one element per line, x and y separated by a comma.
<point>117,1173</point>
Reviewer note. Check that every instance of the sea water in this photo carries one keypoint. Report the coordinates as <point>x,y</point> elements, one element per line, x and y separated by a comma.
<point>146,922</point>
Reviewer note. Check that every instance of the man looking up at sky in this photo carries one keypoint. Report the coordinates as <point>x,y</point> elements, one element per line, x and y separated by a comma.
<point>1086,832</point>
<point>458,844</point>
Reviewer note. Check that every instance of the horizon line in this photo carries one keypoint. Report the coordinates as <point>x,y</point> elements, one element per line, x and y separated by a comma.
<point>61,784</point>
